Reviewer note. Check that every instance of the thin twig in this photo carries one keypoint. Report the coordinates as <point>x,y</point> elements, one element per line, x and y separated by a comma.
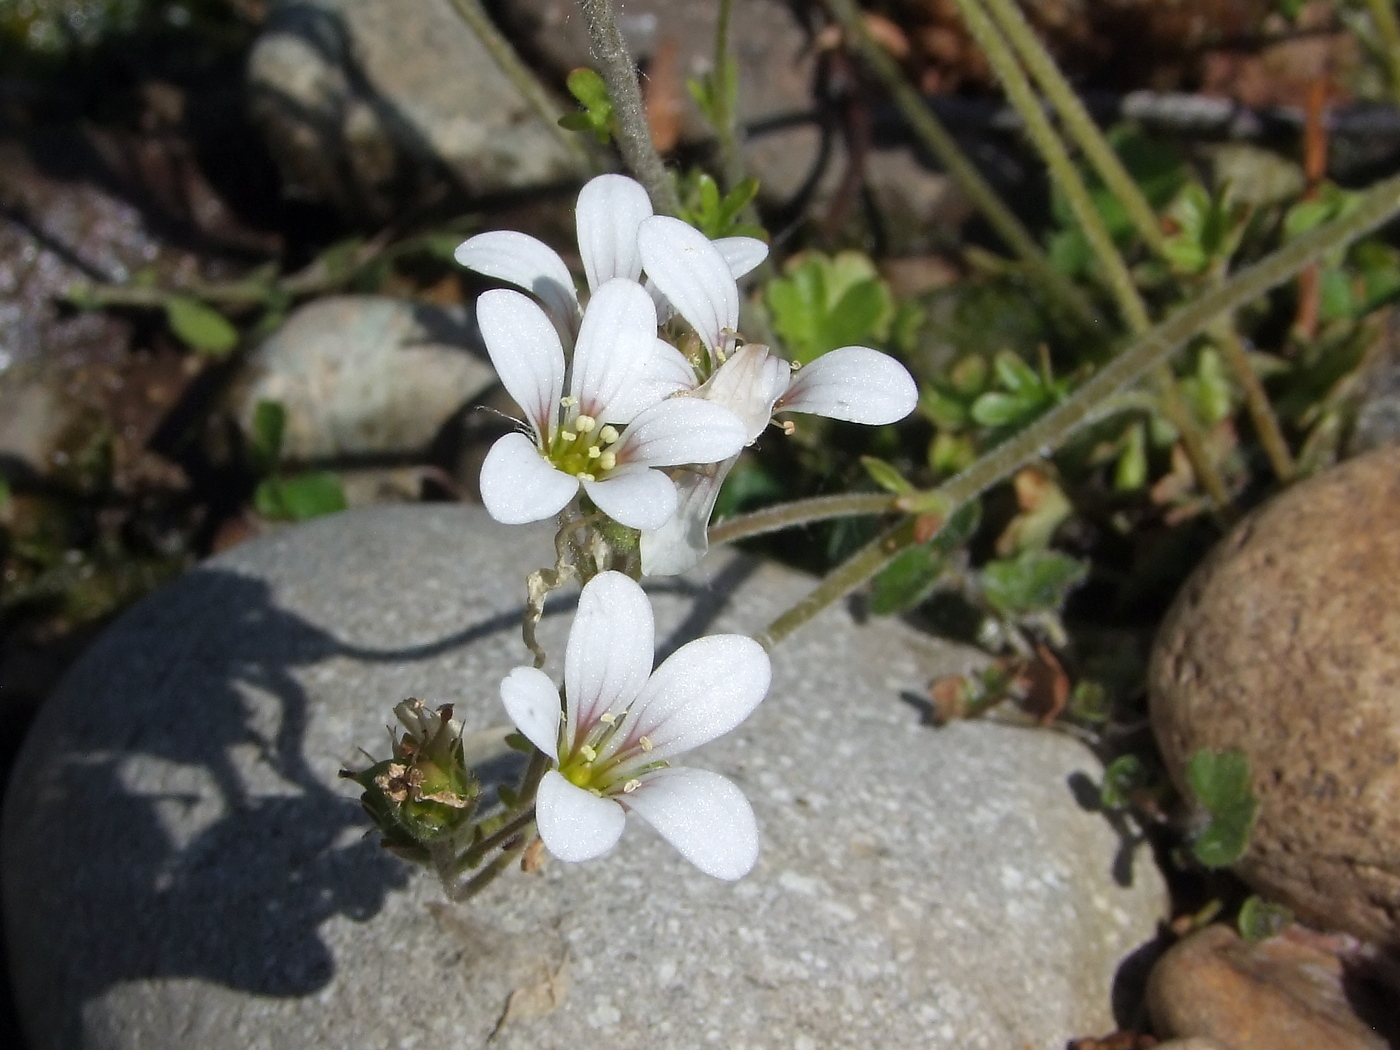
<point>800,512</point>
<point>1040,439</point>
<point>936,138</point>
<point>633,132</point>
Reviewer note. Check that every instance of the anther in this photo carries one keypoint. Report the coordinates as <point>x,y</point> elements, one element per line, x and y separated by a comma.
<point>646,743</point>
<point>789,427</point>
<point>607,460</point>
<point>608,434</point>
<point>588,753</point>
<point>608,718</point>
<point>568,402</point>
<point>583,475</point>
<point>568,435</point>
<point>631,786</point>
<point>584,424</point>
<point>594,452</point>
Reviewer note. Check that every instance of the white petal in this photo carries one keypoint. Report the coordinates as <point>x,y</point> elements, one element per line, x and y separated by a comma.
<point>576,824</point>
<point>742,254</point>
<point>704,816</point>
<point>748,384</point>
<point>664,310</point>
<point>703,690</point>
<point>682,430</point>
<point>610,650</point>
<point>533,705</point>
<point>692,274</point>
<point>522,260</point>
<point>519,485</point>
<point>639,498</point>
<point>854,383</point>
<point>610,208</point>
<point>526,351</point>
<point>679,545</point>
<point>615,342</point>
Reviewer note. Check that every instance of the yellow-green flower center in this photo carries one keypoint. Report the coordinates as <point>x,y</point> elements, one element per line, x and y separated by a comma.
<point>582,448</point>
<point>584,766</point>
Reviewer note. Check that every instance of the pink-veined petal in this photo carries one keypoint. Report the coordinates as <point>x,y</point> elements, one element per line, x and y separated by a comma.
<point>705,816</point>
<point>524,261</point>
<point>610,650</point>
<point>854,383</point>
<point>617,338</point>
<point>679,545</point>
<point>576,824</point>
<point>701,691</point>
<point>519,485</point>
<point>610,209</point>
<point>742,254</point>
<point>748,384</point>
<point>527,354</point>
<point>682,430</point>
<point>637,497</point>
<point>692,274</point>
<point>533,705</point>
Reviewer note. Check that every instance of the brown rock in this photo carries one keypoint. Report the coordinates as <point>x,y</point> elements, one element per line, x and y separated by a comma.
<point>1285,644</point>
<point>1281,994</point>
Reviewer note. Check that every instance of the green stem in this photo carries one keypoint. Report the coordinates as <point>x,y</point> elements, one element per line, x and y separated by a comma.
<point>728,138</point>
<point>1120,280</point>
<point>472,857</point>
<point>465,891</point>
<point>800,512</point>
<point>525,81</point>
<point>1266,424</point>
<point>633,133</point>
<point>1388,28</point>
<point>1050,431</point>
<point>936,138</point>
<point>1077,121</point>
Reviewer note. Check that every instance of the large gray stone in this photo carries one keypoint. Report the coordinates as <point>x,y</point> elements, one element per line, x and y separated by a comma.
<point>366,103</point>
<point>365,375</point>
<point>183,869</point>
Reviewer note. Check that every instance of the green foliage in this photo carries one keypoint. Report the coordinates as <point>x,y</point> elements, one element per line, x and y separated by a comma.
<point>199,326</point>
<point>717,215</point>
<point>1221,783</point>
<point>886,476</point>
<point>717,92</point>
<point>1260,919</point>
<point>1023,394</point>
<point>1207,230</point>
<point>597,116</point>
<point>911,576</point>
<point>1123,776</point>
<point>825,302</point>
<point>299,497</point>
<point>269,428</point>
<point>1034,581</point>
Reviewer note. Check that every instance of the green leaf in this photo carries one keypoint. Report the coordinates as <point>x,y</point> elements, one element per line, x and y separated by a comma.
<point>200,327</point>
<point>592,94</point>
<point>1225,839</point>
<point>906,581</point>
<point>299,497</point>
<point>886,476</point>
<point>1219,779</point>
<point>1259,919</point>
<point>995,409</point>
<point>826,302</point>
<point>1130,473</point>
<point>269,429</point>
<point>1123,776</point>
<point>1034,581</point>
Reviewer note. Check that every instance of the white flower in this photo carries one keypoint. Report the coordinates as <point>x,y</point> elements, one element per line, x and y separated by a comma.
<point>854,383</point>
<point>609,213</point>
<point>621,725</point>
<point>619,377</point>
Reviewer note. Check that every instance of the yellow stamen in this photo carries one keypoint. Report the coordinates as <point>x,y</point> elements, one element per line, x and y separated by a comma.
<point>608,434</point>
<point>631,786</point>
<point>585,424</point>
<point>607,460</point>
<point>646,743</point>
<point>588,753</point>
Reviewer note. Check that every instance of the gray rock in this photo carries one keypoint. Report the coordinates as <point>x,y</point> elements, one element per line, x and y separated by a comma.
<point>364,374</point>
<point>367,102</point>
<point>182,868</point>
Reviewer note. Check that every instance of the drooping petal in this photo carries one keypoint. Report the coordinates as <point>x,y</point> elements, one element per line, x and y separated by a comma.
<point>705,816</point>
<point>519,485</point>
<point>610,651</point>
<point>615,342</point>
<point>854,383</point>
<point>576,824</point>
<point>637,497</point>
<point>610,208</point>
<point>679,544</point>
<point>682,430</point>
<point>692,274</point>
<point>748,384</point>
<point>743,254</point>
<point>703,690</point>
<point>526,351</point>
<point>524,261</point>
<point>533,705</point>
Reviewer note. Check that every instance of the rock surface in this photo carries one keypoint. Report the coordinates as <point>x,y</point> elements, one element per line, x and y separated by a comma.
<point>366,103</point>
<point>1285,644</point>
<point>1280,994</point>
<point>365,374</point>
<point>182,868</point>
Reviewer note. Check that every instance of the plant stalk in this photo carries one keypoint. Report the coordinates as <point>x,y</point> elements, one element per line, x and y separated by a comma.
<point>800,512</point>
<point>1256,399</point>
<point>633,132</point>
<point>1388,29</point>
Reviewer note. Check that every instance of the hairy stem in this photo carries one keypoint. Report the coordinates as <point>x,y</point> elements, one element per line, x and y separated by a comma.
<point>801,512</point>
<point>469,888</point>
<point>1227,338</point>
<point>1050,431</point>
<point>1388,29</point>
<point>727,134</point>
<point>633,133</point>
<point>473,856</point>
<point>1086,214</point>
<point>936,138</point>
<point>525,81</point>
